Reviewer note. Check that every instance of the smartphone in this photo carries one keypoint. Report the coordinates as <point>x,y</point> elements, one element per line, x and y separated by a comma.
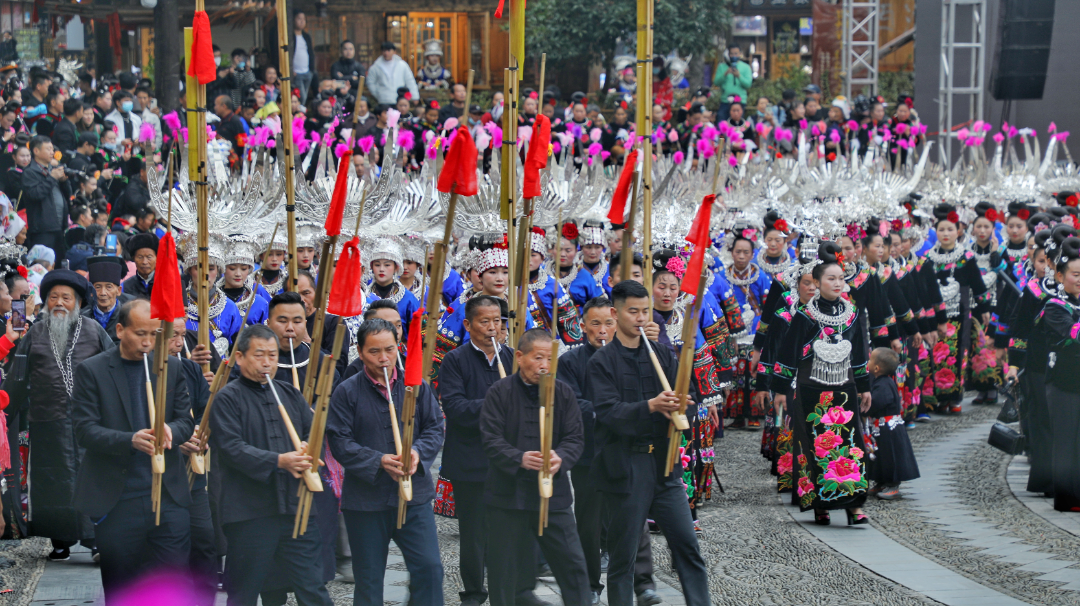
<point>18,315</point>
<point>110,245</point>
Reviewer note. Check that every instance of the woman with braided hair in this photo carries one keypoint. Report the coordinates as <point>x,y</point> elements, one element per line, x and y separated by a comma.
<point>824,354</point>
<point>1060,323</point>
<point>956,292</point>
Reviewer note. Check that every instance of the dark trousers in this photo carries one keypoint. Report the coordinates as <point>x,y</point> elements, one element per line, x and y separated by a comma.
<point>204,557</point>
<point>258,546</point>
<point>1065,415</point>
<point>51,239</point>
<point>512,536</point>
<point>471,514</point>
<point>1039,432</point>
<point>370,533</point>
<point>131,545</point>
<point>592,526</point>
<point>666,504</point>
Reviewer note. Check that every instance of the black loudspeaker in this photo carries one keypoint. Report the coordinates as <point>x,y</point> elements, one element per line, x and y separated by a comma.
<point>1023,49</point>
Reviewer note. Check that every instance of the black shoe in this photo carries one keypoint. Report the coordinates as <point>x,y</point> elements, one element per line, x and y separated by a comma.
<point>595,598</point>
<point>60,555</point>
<point>530,599</point>
<point>855,519</point>
<point>95,555</point>
<point>821,518</point>
<point>648,598</point>
<point>605,559</point>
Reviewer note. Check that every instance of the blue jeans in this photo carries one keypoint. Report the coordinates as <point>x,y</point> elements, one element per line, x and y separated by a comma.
<point>370,533</point>
<point>303,83</point>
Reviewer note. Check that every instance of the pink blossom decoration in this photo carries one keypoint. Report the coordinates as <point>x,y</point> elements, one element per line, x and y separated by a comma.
<point>998,138</point>
<point>676,266</point>
<point>678,157</point>
<point>594,135</point>
<point>595,149</point>
<point>1052,128</point>
<point>733,161</point>
<point>837,416</point>
<point>963,134</point>
<point>366,143</point>
<point>451,124</point>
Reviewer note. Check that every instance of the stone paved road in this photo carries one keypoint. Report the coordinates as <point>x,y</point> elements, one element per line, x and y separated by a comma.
<point>959,536</point>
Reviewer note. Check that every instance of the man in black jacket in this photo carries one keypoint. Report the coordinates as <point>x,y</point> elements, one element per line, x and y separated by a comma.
<point>360,436</point>
<point>112,422</point>
<point>106,274</point>
<point>466,375</point>
<point>599,326</point>
<point>510,432</point>
<point>348,69</point>
<point>260,475</point>
<point>204,560</point>
<point>632,421</point>
<point>136,194</point>
<point>40,383</point>
<point>142,248</point>
<point>45,192</point>
<point>231,127</point>
<point>65,135</point>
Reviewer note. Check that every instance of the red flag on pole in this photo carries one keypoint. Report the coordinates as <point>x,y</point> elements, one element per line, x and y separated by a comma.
<point>459,168</point>
<point>414,357</point>
<point>699,237</point>
<point>537,158</point>
<point>622,190</point>
<point>337,200</point>
<point>202,50</point>
<point>346,296</point>
<point>167,298</point>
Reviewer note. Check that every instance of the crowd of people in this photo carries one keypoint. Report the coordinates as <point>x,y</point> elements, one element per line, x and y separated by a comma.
<point>831,321</point>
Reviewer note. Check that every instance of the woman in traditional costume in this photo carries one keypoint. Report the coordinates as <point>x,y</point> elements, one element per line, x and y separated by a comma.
<point>824,352</point>
<point>1060,322</point>
<point>957,293</point>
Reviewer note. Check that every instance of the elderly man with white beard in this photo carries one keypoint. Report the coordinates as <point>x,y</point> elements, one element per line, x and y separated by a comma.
<point>39,381</point>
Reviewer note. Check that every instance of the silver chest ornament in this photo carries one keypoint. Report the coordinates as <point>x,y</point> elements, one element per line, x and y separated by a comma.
<point>831,361</point>
<point>950,294</point>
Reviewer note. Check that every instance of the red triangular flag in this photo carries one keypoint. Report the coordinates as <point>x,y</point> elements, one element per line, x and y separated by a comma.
<point>459,168</point>
<point>167,298</point>
<point>699,237</point>
<point>346,296</point>
<point>337,201</point>
<point>202,50</point>
<point>622,190</point>
<point>414,357</point>
<point>537,158</point>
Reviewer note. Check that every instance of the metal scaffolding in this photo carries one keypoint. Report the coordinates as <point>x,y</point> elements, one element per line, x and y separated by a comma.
<point>860,47</point>
<point>961,79</point>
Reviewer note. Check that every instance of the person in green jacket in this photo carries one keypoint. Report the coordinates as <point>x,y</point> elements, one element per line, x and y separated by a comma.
<point>734,79</point>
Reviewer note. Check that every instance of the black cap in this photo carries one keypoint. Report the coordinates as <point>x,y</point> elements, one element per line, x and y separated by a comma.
<point>104,268</point>
<point>475,109</point>
<point>812,88</point>
<point>64,277</point>
<point>89,137</point>
<point>140,241</point>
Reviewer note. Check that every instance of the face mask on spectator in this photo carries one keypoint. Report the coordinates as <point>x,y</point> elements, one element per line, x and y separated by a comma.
<point>109,146</point>
<point>127,106</point>
<point>217,61</point>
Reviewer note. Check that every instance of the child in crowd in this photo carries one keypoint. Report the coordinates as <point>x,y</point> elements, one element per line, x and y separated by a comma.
<point>895,460</point>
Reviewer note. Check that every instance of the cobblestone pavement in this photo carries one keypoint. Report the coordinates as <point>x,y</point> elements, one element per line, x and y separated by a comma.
<point>961,516</point>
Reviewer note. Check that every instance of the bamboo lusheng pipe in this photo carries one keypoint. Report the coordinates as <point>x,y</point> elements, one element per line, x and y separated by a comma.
<point>686,365</point>
<point>303,509</point>
<point>220,378</point>
<point>317,434</point>
<point>628,234</point>
<point>408,419</point>
<point>285,75</point>
<point>436,286</point>
<point>292,358</point>
<point>547,430</point>
<point>502,370</point>
<point>524,258</point>
<point>322,293</point>
<point>311,479</point>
